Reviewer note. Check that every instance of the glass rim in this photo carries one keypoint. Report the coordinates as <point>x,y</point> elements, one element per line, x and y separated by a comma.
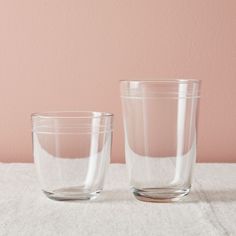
<point>71,114</point>
<point>173,81</point>
<point>160,88</point>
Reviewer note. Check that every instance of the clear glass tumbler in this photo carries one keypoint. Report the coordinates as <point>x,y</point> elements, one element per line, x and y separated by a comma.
<point>71,152</point>
<point>160,123</point>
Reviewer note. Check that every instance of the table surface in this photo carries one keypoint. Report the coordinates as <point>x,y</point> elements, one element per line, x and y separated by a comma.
<point>210,209</point>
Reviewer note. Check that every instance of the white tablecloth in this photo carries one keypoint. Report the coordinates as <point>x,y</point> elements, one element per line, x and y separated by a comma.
<point>210,209</point>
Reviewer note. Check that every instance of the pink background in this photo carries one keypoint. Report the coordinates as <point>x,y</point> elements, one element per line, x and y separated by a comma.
<point>70,55</point>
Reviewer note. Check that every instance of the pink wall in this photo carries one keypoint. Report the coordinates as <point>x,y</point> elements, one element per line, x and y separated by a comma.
<point>70,55</point>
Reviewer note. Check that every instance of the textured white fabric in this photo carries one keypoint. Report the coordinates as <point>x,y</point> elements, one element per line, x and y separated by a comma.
<point>210,209</point>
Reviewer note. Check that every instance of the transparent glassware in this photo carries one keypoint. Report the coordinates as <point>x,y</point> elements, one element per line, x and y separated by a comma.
<point>71,152</point>
<point>160,124</point>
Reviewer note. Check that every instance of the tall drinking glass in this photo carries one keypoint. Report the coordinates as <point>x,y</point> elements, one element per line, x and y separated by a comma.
<point>71,152</point>
<point>160,124</point>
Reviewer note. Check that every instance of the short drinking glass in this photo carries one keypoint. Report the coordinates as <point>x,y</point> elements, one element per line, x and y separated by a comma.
<point>71,152</point>
<point>160,123</point>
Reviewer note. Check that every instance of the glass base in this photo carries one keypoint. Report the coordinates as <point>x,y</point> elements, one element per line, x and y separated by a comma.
<point>71,194</point>
<point>160,194</point>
